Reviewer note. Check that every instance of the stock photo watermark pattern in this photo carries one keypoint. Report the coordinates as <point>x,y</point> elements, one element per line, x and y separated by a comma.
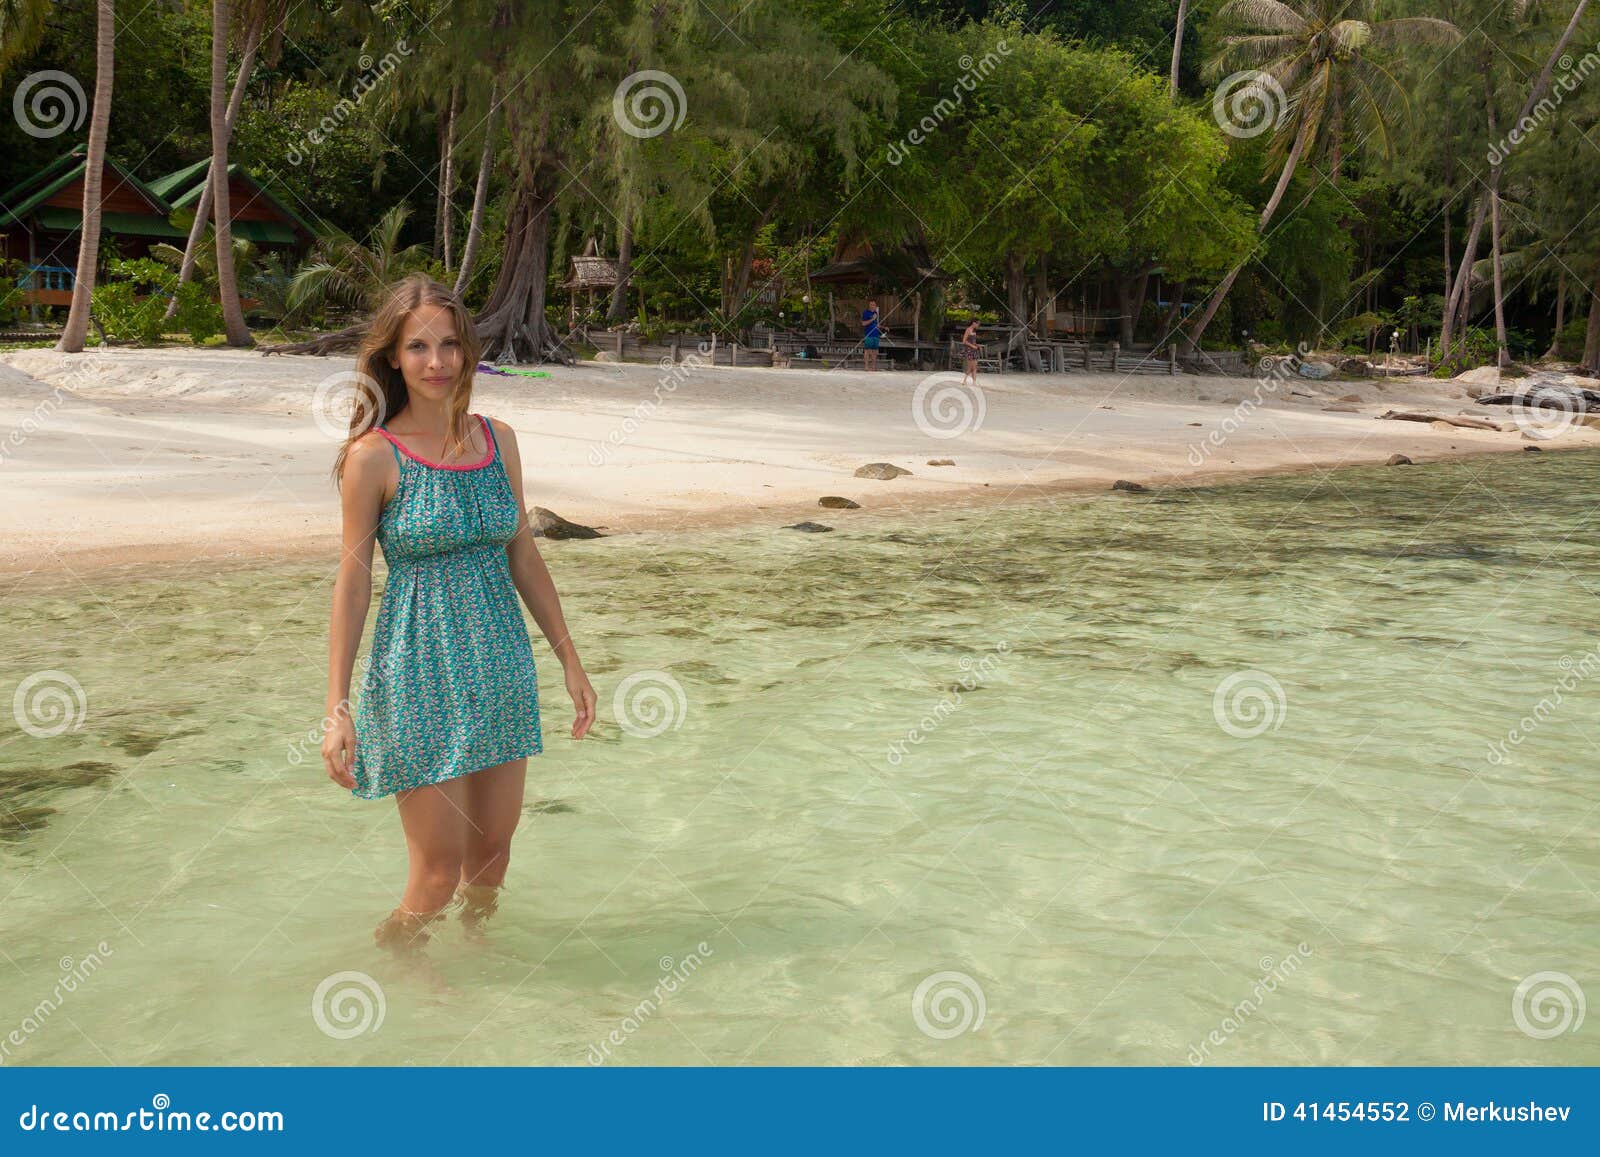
<point>49,103</point>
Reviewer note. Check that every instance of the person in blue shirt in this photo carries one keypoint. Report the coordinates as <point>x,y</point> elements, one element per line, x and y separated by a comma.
<point>869,340</point>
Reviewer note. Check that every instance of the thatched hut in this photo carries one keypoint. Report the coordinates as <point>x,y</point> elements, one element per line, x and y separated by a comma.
<point>586,273</point>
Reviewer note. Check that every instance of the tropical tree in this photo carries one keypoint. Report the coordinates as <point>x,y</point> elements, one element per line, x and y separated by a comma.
<point>237,333</point>
<point>1315,68</point>
<point>346,274</point>
<point>77,327</point>
<point>21,25</point>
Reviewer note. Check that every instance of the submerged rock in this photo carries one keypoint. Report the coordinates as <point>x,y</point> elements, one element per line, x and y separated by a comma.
<point>834,502</point>
<point>1130,487</point>
<point>809,527</point>
<point>1399,460</point>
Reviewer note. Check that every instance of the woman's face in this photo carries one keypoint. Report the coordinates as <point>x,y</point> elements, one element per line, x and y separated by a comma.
<point>429,353</point>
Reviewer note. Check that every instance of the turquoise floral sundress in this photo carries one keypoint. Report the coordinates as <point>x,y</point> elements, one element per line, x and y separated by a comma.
<point>450,686</point>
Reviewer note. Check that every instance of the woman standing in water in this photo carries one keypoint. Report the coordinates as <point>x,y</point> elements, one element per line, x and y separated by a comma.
<point>449,708</point>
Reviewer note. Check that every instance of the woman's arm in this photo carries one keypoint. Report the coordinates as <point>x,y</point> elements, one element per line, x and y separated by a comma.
<point>367,468</point>
<point>532,580</point>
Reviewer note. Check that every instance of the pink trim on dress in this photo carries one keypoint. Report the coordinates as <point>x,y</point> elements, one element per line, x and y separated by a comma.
<point>487,458</point>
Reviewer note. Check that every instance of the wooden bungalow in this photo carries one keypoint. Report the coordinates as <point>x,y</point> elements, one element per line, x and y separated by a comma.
<point>257,214</point>
<point>587,273</point>
<point>41,218</point>
<point>896,277</point>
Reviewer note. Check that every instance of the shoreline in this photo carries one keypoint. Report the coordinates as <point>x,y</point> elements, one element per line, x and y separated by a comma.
<point>168,458</point>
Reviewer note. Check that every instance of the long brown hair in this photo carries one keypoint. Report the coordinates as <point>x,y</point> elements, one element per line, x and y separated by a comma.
<point>381,388</point>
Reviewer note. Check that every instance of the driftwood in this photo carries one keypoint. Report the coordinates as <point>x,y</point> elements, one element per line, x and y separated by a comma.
<point>1469,423</point>
<point>343,341</point>
<point>1574,398</point>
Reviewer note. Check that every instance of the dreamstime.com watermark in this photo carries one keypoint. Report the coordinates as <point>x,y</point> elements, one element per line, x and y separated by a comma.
<point>312,740</point>
<point>967,82</point>
<point>1273,974</point>
<point>1271,375</point>
<point>648,103</point>
<point>1249,703</point>
<point>674,974</point>
<point>947,1004</point>
<point>73,973</point>
<point>348,1004</point>
<point>18,435</point>
<point>944,406</point>
<point>373,73</point>
<point>49,703</point>
<point>1247,104</point>
<point>49,103</point>
<point>1572,75</point>
<point>951,703</point>
<point>648,703</point>
<point>673,375</point>
<point>1575,672</point>
<point>1547,1004</point>
<point>155,1119</point>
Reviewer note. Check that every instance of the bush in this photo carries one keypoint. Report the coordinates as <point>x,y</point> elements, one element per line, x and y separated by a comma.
<point>132,303</point>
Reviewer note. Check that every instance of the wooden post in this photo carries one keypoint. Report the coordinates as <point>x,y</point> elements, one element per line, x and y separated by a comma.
<point>675,343</point>
<point>713,347</point>
<point>1116,350</point>
<point>830,314</point>
<point>1172,357</point>
<point>733,353</point>
<point>619,345</point>
<point>1087,349</point>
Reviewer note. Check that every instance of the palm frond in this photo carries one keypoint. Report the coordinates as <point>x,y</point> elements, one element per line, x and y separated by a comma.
<point>1268,15</point>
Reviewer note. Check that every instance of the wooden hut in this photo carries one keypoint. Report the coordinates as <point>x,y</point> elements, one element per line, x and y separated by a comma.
<point>587,273</point>
<point>41,218</point>
<point>897,277</point>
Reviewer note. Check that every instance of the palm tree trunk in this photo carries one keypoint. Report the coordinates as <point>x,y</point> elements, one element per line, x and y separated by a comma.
<point>202,209</point>
<point>1177,43</point>
<point>1445,319</point>
<point>1461,288</point>
<point>238,334</point>
<point>1502,355</point>
<point>1591,338</point>
<point>1215,301</point>
<point>77,328</point>
<point>480,195</point>
<point>619,292</point>
<point>449,182</point>
<point>1561,319</point>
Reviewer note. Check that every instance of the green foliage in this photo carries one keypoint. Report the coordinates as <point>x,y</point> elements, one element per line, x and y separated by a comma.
<point>1570,341</point>
<point>131,303</point>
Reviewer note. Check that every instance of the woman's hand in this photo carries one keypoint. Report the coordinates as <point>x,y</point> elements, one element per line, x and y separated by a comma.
<point>583,699</point>
<point>339,749</point>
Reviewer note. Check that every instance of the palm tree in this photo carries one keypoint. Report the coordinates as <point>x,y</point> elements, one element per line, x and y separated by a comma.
<point>238,334</point>
<point>263,21</point>
<point>349,275</point>
<point>1323,55</point>
<point>1177,43</point>
<point>77,327</point>
<point>480,196</point>
<point>21,25</point>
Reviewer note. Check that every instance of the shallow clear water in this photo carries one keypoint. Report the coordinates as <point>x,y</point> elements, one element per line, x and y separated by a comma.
<point>989,745</point>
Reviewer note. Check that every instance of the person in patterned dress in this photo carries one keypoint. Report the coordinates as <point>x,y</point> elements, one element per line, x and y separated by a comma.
<point>448,711</point>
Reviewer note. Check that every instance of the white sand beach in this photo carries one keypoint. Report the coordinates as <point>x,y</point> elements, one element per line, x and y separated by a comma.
<point>140,455</point>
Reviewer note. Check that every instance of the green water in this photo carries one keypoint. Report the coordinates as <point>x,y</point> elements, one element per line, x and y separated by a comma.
<point>988,745</point>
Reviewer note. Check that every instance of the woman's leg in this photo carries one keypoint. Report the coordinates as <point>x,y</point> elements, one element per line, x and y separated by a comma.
<point>494,807</point>
<point>435,821</point>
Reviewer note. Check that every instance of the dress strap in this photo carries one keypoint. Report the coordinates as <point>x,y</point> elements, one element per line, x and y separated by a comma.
<point>489,429</point>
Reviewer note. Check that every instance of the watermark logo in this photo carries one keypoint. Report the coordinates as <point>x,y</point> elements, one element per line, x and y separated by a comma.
<point>1274,973</point>
<point>1574,672</point>
<point>49,103</point>
<point>943,406</point>
<point>972,72</point>
<point>648,703</point>
<point>1247,104</point>
<point>1544,413</point>
<point>1547,1004</point>
<point>1573,73</point>
<point>674,975</point>
<point>649,103</point>
<point>973,674</point>
<point>348,1004</point>
<point>1248,703</point>
<point>673,375</point>
<point>49,703</point>
<point>1272,373</point>
<point>373,73</point>
<point>947,1004</point>
<point>348,400</point>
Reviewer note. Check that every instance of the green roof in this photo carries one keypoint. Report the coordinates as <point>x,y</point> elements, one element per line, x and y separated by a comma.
<point>175,190</point>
